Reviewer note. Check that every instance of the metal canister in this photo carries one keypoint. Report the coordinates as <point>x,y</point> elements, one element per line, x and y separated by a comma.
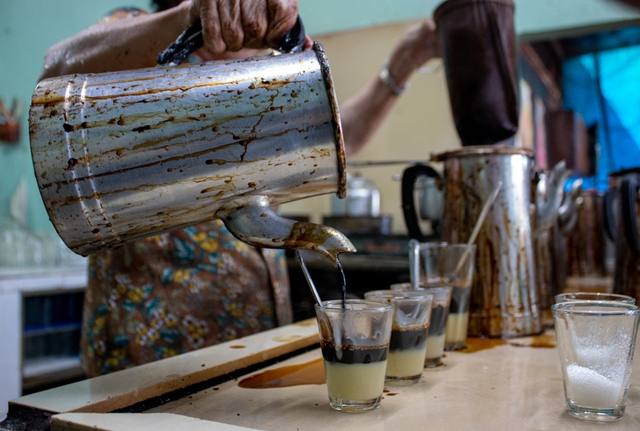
<point>622,213</point>
<point>124,155</point>
<point>504,296</point>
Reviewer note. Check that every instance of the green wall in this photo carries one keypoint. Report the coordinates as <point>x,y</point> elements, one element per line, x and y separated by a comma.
<point>27,29</point>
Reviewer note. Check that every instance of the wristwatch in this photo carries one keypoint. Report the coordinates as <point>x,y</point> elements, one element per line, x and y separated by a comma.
<point>388,80</point>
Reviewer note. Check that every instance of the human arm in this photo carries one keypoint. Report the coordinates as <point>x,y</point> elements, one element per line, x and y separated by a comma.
<point>117,45</point>
<point>363,113</point>
<point>228,25</point>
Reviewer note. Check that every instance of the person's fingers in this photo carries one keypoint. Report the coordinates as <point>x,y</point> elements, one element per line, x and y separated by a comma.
<point>231,24</point>
<point>207,12</point>
<point>194,12</point>
<point>282,17</point>
<point>429,27</point>
<point>308,43</point>
<point>255,22</point>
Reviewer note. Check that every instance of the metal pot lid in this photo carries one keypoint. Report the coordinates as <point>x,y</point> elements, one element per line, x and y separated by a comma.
<point>477,150</point>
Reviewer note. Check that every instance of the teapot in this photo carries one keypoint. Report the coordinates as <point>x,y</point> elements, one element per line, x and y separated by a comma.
<point>362,200</point>
<point>125,155</point>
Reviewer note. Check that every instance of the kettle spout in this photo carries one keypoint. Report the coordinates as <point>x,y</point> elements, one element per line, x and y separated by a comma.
<point>260,226</point>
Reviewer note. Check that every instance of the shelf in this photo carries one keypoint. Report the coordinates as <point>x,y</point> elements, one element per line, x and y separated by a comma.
<point>48,370</point>
<point>35,281</point>
<point>35,332</point>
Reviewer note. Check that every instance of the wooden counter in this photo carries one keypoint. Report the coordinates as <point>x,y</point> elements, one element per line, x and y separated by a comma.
<point>496,385</point>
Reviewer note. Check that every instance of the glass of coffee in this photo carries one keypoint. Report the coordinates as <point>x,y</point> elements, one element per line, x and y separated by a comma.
<point>437,322</point>
<point>408,345</point>
<point>444,264</point>
<point>354,338</point>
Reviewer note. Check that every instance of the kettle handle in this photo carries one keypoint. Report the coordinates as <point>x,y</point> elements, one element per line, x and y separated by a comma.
<point>608,203</point>
<point>628,200</point>
<point>409,177</point>
<point>191,39</point>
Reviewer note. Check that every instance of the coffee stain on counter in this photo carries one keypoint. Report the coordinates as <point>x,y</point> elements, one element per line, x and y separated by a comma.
<point>538,341</point>
<point>308,373</point>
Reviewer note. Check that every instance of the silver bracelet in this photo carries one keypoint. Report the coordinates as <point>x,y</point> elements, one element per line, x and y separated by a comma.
<point>388,80</point>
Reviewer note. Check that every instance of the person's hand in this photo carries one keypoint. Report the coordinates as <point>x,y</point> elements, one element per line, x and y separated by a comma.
<point>230,25</point>
<point>419,44</point>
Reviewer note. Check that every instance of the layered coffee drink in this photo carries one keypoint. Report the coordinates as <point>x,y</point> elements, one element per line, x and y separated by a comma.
<point>458,319</point>
<point>409,333</point>
<point>437,332</point>
<point>452,265</point>
<point>407,351</point>
<point>354,340</point>
<point>437,321</point>
<point>354,372</point>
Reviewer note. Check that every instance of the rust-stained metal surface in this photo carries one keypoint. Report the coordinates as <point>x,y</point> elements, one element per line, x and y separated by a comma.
<point>337,123</point>
<point>554,209</point>
<point>124,155</point>
<point>480,150</point>
<point>626,279</point>
<point>504,296</point>
<point>586,245</point>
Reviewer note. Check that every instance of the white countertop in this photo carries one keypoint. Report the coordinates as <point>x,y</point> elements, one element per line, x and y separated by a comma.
<point>499,385</point>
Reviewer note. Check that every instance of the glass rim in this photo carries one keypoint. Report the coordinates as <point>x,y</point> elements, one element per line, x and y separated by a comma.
<point>579,296</point>
<point>398,295</point>
<point>423,287</point>
<point>370,305</point>
<point>586,308</point>
<point>443,244</point>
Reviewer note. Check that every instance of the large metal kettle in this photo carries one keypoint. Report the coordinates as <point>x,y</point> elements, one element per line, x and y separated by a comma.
<point>505,299</point>
<point>555,214</point>
<point>621,204</point>
<point>120,156</point>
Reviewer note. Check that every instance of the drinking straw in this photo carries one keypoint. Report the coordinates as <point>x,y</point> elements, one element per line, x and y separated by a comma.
<point>476,228</point>
<point>307,276</point>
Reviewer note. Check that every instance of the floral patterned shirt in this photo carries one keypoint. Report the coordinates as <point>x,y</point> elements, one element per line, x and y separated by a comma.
<point>176,292</point>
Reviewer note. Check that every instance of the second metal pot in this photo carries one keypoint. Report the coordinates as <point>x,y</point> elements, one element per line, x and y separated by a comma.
<point>504,296</point>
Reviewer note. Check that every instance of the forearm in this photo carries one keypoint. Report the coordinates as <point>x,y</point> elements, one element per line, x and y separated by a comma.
<point>364,113</point>
<point>118,45</point>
